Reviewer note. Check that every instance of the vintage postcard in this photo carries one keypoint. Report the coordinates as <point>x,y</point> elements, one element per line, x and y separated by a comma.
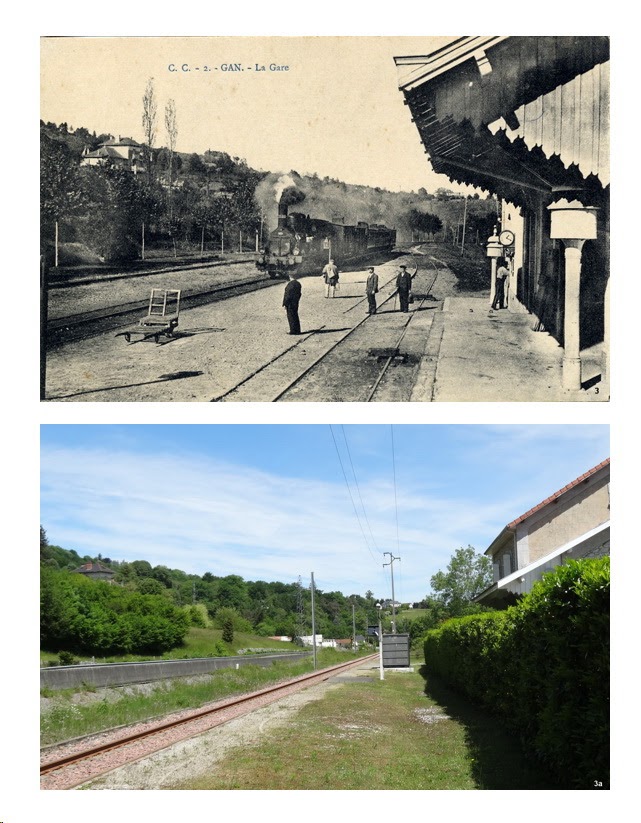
<point>325,219</point>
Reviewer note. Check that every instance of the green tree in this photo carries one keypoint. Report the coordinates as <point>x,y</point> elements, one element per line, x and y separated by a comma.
<point>148,585</point>
<point>468,574</point>
<point>228,630</point>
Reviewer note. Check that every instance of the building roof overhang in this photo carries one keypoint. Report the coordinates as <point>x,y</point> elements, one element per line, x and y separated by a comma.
<point>498,590</point>
<point>600,470</point>
<point>456,93</point>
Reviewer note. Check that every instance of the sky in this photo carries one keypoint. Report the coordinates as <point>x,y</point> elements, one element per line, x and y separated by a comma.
<point>498,474</point>
<point>335,111</point>
<point>279,502</point>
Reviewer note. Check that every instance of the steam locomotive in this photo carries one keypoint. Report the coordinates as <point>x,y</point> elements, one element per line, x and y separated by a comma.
<point>302,245</point>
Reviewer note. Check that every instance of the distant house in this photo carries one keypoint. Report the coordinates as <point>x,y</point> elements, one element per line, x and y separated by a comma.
<point>96,571</point>
<point>121,151</point>
<point>572,523</point>
<point>308,640</point>
<point>344,643</point>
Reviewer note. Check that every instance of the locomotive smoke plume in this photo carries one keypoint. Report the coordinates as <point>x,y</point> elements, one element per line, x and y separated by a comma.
<point>290,196</point>
<point>287,192</point>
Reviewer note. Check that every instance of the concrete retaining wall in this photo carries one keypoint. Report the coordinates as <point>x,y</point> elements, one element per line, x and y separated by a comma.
<point>121,674</point>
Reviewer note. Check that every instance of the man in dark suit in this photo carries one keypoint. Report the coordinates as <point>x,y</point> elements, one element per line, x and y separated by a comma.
<point>291,299</point>
<point>404,286</point>
<point>371,287</point>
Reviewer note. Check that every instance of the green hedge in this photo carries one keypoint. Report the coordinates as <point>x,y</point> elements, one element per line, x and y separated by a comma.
<point>542,667</point>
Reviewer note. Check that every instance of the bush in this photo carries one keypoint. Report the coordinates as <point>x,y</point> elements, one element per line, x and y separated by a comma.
<point>197,616</point>
<point>94,617</point>
<point>542,667</point>
<point>228,630</point>
<point>66,659</point>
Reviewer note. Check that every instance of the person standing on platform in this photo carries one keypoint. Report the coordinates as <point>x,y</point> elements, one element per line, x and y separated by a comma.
<point>371,287</point>
<point>501,279</point>
<point>404,286</point>
<point>330,276</point>
<point>291,299</point>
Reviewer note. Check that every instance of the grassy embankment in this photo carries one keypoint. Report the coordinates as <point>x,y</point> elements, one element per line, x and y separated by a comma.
<point>399,733</point>
<point>198,643</point>
<point>77,712</point>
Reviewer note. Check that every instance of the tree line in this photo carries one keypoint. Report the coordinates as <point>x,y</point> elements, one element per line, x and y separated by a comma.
<point>119,212</point>
<point>146,599</point>
<point>113,212</point>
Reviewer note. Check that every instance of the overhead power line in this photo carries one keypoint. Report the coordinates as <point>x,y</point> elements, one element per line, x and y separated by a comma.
<point>349,454</point>
<point>394,476</point>
<point>351,496</point>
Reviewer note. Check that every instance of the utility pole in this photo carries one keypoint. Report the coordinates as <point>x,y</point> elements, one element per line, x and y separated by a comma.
<point>391,565</point>
<point>380,642</point>
<point>464,221</point>
<point>44,315</point>
<point>313,623</point>
<point>353,627</point>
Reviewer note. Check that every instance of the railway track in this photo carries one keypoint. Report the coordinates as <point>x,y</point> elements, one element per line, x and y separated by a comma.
<point>76,327</point>
<point>69,765</point>
<point>389,357</point>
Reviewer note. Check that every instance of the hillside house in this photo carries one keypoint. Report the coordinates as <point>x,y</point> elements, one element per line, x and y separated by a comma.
<point>571,524</point>
<point>96,571</point>
<point>121,151</point>
<point>527,120</point>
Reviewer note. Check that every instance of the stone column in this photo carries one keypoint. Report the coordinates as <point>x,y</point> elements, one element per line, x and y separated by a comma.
<point>571,325</point>
<point>573,223</point>
<point>605,366</point>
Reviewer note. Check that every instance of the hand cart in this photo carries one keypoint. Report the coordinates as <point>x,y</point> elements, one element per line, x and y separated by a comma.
<point>161,317</point>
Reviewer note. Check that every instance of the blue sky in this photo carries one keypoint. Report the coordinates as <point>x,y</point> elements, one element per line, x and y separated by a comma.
<point>275,502</point>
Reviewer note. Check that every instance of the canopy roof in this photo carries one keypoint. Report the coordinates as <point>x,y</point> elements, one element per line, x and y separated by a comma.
<point>466,99</point>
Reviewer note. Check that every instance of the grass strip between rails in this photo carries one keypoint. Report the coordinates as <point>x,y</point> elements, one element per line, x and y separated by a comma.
<point>107,708</point>
<point>390,734</point>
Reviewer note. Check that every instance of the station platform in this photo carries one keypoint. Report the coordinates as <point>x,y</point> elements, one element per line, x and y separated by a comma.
<point>478,354</point>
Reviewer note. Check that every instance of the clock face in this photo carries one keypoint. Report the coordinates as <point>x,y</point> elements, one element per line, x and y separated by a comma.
<point>506,237</point>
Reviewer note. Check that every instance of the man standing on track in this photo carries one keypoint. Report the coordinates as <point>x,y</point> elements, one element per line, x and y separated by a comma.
<point>371,287</point>
<point>404,286</point>
<point>291,299</point>
<point>330,276</point>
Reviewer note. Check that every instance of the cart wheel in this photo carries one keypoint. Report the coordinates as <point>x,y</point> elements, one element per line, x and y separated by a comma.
<point>128,337</point>
<point>157,338</point>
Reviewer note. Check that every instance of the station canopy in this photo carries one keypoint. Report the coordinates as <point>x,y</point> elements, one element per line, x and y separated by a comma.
<point>515,116</point>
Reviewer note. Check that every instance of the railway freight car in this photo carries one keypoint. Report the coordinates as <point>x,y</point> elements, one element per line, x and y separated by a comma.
<point>302,244</point>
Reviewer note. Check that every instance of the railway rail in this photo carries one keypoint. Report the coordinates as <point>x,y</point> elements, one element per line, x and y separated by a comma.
<point>79,326</point>
<point>340,356</point>
<point>69,765</point>
<point>394,352</point>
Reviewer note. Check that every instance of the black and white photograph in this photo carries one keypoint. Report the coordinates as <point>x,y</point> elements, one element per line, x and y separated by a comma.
<point>325,219</point>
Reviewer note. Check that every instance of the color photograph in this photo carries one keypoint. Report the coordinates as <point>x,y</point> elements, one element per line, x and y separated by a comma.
<point>292,596</point>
